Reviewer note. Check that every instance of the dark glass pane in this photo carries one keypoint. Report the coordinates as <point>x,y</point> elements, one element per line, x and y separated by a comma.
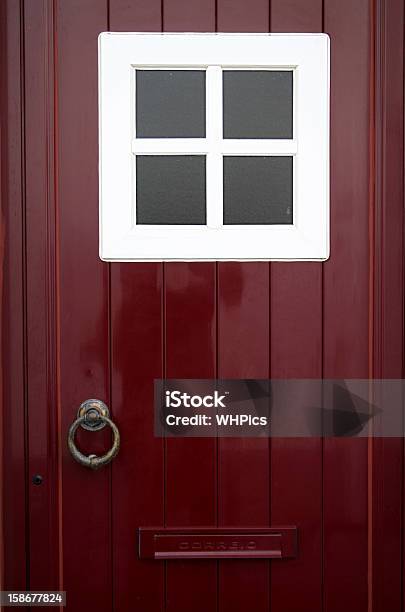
<point>258,190</point>
<point>258,103</point>
<point>170,189</point>
<point>170,103</point>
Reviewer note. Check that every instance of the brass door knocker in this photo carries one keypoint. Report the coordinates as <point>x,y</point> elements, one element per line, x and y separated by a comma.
<point>93,415</point>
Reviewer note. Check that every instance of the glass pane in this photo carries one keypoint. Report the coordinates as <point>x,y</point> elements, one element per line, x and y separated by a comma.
<point>170,189</point>
<point>258,190</point>
<point>170,103</point>
<point>258,103</point>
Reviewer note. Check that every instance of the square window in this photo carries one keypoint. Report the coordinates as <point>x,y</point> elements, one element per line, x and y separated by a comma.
<point>258,190</point>
<point>258,103</point>
<point>170,103</point>
<point>214,147</point>
<point>170,190</point>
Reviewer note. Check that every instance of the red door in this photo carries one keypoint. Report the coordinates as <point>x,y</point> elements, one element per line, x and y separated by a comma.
<point>77,328</point>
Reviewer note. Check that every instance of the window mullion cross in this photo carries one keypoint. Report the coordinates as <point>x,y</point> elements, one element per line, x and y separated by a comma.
<point>214,129</point>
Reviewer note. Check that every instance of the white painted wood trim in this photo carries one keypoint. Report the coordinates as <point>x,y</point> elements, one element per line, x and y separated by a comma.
<point>121,239</point>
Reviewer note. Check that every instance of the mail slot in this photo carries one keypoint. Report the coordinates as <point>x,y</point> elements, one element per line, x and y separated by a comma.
<point>212,543</point>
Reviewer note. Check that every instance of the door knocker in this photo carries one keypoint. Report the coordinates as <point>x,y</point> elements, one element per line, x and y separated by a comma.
<point>93,415</point>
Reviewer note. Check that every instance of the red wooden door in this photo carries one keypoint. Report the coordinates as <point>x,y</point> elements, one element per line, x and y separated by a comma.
<point>77,328</point>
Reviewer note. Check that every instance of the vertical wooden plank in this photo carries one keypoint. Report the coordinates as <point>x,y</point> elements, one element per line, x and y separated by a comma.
<point>137,359</point>
<point>83,299</point>
<point>137,485</point>
<point>2,249</point>
<point>3,109</point>
<point>190,462</point>
<point>296,352</point>
<point>296,15</point>
<point>190,302</point>
<point>242,16</point>
<point>141,16</point>
<point>346,300</point>
<point>43,412</point>
<point>14,503</point>
<point>243,463</point>
<point>243,352</point>
<point>387,453</point>
<point>190,16</point>
<point>296,464</point>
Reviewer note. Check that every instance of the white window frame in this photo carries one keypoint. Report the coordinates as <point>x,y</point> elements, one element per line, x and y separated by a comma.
<point>121,239</point>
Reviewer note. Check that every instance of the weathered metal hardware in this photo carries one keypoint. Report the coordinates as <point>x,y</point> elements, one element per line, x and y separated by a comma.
<point>92,410</point>
<point>93,415</point>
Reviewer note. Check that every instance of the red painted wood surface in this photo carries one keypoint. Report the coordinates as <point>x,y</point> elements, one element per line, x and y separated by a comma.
<point>386,482</point>
<point>40,243</point>
<point>346,301</point>
<point>138,473</point>
<point>243,352</point>
<point>190,491</point>
<point>83,289</point>
<point>15,533</point>
<point>190,352</point>
<point>137,311</point>
<point>243,464</point>
<point>77,328</point>
<point>296,351</point>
